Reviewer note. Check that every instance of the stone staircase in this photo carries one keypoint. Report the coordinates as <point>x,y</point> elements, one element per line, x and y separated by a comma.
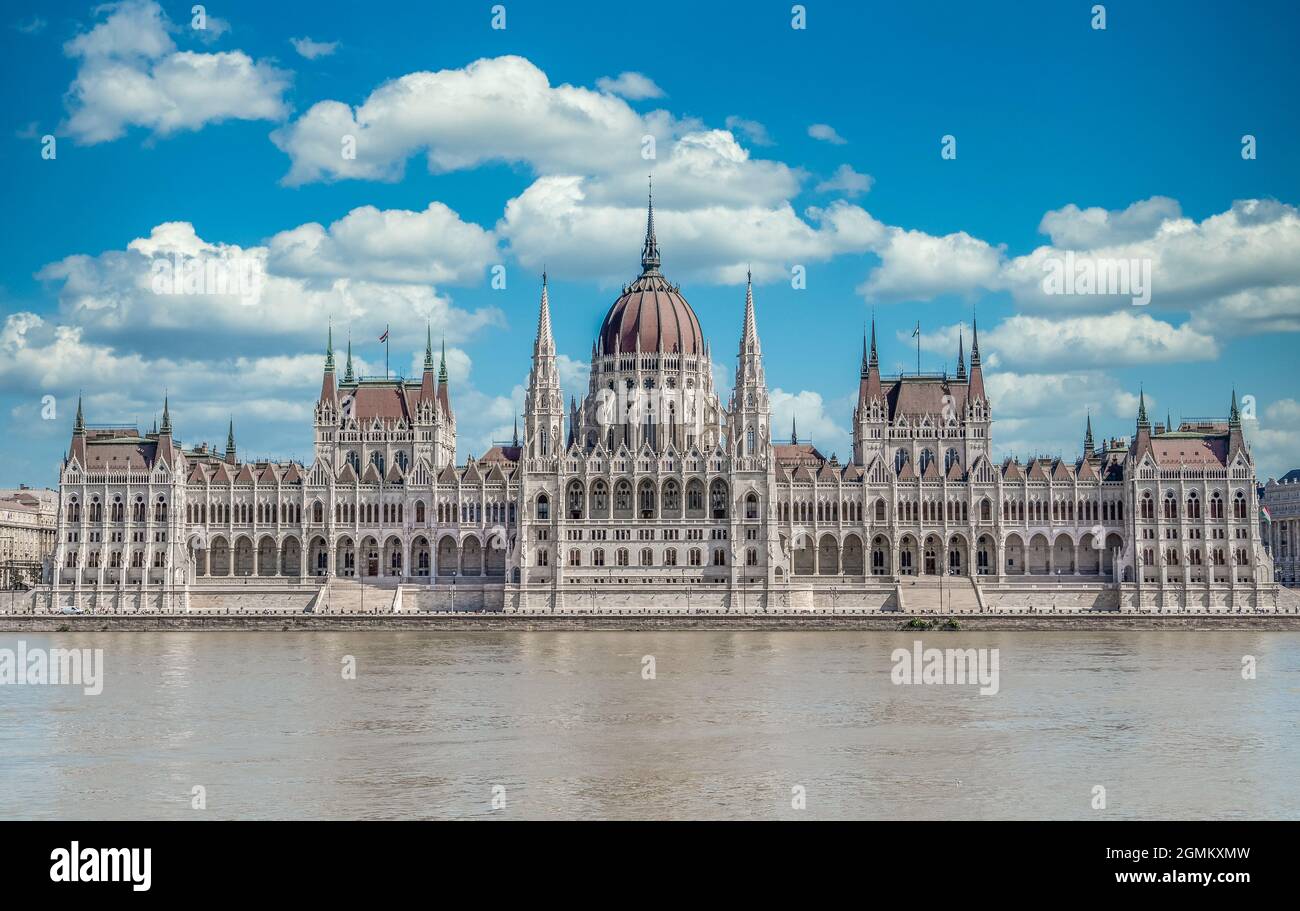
<point>343,596</point>
<point>935,595</point>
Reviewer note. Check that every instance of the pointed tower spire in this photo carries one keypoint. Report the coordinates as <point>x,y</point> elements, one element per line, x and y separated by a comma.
<point>230,442</point>
<point>1234,416</point>
<point>975,386</point>
<point>167,417</point>
<point>1142,410</point>
<point>428,346</point>
<point>1169,421</point>
<point>749,333</point>
<point>329,349</point>
<point>650,251</point>
<point>865,362</point>
<point>444,389</point>
<point>348,375</point>
<point>79,426</point>
<point>1088,446</point>
<point>794,431</point>
<point>961,356</point>
<point>544,342</point>
<point>515,439</point>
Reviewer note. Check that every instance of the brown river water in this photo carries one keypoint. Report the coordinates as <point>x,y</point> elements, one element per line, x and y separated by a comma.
<point>733,725</point>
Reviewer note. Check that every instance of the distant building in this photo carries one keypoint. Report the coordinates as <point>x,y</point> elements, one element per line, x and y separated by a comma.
<point>1280,525</point>
<point>28,523</point>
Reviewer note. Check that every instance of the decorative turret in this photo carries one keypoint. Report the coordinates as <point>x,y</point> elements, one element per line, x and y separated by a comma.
<point>444,388</point>
<point>1236,440</point>
<point>1089,448</point>
<point>794,431</point>
<point>543,406</point>
<point>78,449</point>
<point>1142,439</point>
<point>870,413</point>
<point>348,375</point>
<point>165,452</point>
<point>961,357</point>
<point>650,250</point>
<point>327,387</point>
<point>230,443</point>
<point>976,386</point>
<point>750,412</point>
<point>428,391</point>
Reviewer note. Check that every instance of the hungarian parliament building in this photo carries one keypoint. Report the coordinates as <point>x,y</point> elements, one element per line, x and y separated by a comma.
<point>656,491</point>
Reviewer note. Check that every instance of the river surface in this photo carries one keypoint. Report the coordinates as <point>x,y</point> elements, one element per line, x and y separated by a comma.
<point>732,725</point>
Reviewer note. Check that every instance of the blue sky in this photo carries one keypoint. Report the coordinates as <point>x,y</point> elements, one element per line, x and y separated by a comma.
<point>774,148</point>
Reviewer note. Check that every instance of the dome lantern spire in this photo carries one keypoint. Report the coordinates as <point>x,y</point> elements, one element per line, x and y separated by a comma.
<point>650,250</point>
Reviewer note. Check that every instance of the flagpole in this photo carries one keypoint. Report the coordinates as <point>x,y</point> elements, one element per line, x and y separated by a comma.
<point>386,351</point>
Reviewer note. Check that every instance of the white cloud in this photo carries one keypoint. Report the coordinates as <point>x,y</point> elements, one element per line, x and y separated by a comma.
<point>391,245</point>
<point>919,266</point>
<point>634,86</point>
<point>752,130</point>
<point>555,222</point>
<point>826,133</point>
<point>131,74</point>
<point>1072,228</point>
<point>1274,438</point>
<point>32,26</point>
<point>847,181</point>
<point>1118,339</point>
<point>814,423</point>
<point>113,296</point>
<point>310,49</point>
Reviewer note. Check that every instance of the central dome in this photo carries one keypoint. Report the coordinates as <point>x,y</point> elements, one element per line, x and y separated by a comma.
<point>651,312</point>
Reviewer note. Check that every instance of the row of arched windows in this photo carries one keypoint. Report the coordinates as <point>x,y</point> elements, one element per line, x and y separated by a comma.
<point>694,557</point>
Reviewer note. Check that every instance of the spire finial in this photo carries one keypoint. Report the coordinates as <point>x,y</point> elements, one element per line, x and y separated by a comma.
<point>974,342</point>
<point>1234,417</point>
<point>329,348</point>
<point>167,416</point>
<point>79,426</point>
<point>1088,446</point>
<point>794,431</point>
<point>961,355</point>
<point>515,441</point>
<point>650,251</point>
<point>442,366</point>
<point>1142,409</point>
<point>348,376</point>
<point>428,346</point>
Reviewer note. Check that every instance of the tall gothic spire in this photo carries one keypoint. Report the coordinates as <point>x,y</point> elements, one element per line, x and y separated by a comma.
<point>749,333</point>
<point>79,426</point>
<point>1234,416</point>
<point>348,375</point>
<point>428,347</point>
<point>329,349</point>
<point>961,356</point>
<point>1088,446</point>
<point>166,418</point>
<point>1142,410</point>
<point>975,344</point>
<point>545,341</point>
<point>794,431</point>
<point>650,251</point>
<point>442,365</point>
<point>230,443</point>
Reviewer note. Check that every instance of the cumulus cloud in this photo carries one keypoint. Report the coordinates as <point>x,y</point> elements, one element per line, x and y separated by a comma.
<point>310,49</point>
<point>130,74</point>
<point>1274,437</point>
<point>555,222</point>
<point>919,266</point>
<point>275,295</point>
<point>634,86</point>
<point>847,181</point>
<point>1072,228</point>
<point>826,133</point>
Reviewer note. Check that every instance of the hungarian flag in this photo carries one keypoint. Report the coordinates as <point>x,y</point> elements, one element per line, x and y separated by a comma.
<point>384,337</point>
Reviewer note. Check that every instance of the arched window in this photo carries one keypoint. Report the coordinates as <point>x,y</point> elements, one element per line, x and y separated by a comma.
<point>986,510</point>
<point>927,456</point>
<point>401,460</point>
<point>749,441</point>
<point>377,459</point>
<point>599,497</point>
<point>949,458</point>
<point>694,556</point>
<point>751,557</point>
<point>1239,505</point>
<point>1216,506</point>
<point>647,557</point>
<point>1148,506</point>
<point>1193,506</point>
<point>672,497</point>
<point>419,512</point>
<point>718,499</point>
<point>751,506</point>
<point>670,557</point>
<point>622,496</point>
<point>354,460</point>
<point>620,557</point>
<point>543,507</point>
<point>719,556</point>
<point>1171,505</point>
<point>900,459</point>
<point>880,510</point>
<point>575,498</point>
<point>646,499</point>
